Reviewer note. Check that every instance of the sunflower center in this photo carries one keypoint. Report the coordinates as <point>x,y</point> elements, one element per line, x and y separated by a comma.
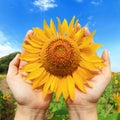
<point>60,58</point>
<point>60,51</point>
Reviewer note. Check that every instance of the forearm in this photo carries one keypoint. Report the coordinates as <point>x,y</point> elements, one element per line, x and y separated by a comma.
<point>24,113</point>
<point>78,113</point>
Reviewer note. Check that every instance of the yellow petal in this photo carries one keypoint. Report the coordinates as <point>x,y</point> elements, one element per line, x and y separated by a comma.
<point>89,84</point>
<point>95,47</point>
<point>71,86</point>
<point>58,90</point>
<point>65,88</point>
<point>46,88</point>
<point>40,80</point>
<point>88,65</point>
<point>31,67</point>
<point>76,26</point>
<point>100,65</point>
<point>90,49</point>
<point>30,48</point>
<point>78,36</point>
<point>54,83</point>
<point>39,35</point>
<point>64,29</point>
<point>71,25</point>
<point>59,25</point>
<point>29,57</point>
<point>72,34</point>
<point>87,40</point>
<point>35,44</point>
<point>47,30</point>
<point>91,58</point>
<point>35,83</point>
<point>79,82</point>
<point>35,73</point>
<point>84,73</point>
<point>53,28</point>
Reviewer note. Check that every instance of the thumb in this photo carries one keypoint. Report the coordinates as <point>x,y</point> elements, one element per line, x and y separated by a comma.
<point>106,70</point>
<point>106,58</point>
<point>13,66</point>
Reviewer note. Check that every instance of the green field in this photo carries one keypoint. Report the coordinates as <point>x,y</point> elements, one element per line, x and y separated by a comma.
<point>2,76</point>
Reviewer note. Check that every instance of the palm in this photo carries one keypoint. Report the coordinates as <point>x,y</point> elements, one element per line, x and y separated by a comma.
<point>23,92</point>
<point>98,82</point>
<point>25,95</point>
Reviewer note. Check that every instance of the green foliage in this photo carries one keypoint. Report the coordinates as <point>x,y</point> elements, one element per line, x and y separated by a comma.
<point>104,104</point>
<point>1,104</point>
<point>114,116</point>
<point>4,62</point>
<point>7,106</point>
<point>57,110</point>
<point>107,105</point>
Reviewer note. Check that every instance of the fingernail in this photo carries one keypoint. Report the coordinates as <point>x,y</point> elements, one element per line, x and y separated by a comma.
<point>79,25</point>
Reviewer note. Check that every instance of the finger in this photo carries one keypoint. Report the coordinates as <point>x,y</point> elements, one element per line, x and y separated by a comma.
<point>28,33</point>
<point>14,66</point>
<point>106,70</point>
<point>78,27</point>
<point>22,64</point>
<point>87,32</point>
<point>27,36</point>
<point>106,58</point>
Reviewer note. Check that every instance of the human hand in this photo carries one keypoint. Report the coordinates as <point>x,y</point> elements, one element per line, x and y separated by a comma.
<point>84,105</point>
<point>30,102</point>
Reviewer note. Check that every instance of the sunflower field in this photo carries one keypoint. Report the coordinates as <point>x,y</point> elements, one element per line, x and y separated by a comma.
<point>108,105</point>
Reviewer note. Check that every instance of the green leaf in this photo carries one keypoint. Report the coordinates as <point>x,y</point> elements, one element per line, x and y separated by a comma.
<point>63,111</point>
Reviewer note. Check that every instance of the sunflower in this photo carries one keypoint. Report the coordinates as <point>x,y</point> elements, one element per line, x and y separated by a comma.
<point>6,96</point>
<point>116,82</point>
<point>60,60</point>
<point>116,97</point>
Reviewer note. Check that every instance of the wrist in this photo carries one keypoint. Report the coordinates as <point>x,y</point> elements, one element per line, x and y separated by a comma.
<point>79,112</point>
<point>24,113</point>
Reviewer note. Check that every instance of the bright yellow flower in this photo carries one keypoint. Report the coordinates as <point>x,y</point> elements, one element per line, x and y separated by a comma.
<point>6,96</point>
<point>60,61</point>
<point>117,99</point>
<point>116,82</point>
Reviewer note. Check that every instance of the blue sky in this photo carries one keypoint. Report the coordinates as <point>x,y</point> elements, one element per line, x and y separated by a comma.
<point>18,16</point>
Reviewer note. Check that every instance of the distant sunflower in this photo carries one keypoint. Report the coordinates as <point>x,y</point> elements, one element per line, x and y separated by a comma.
<point>6,96</point>
<point>116,82</point>
<point>116,97</point>
<point>60,60</point>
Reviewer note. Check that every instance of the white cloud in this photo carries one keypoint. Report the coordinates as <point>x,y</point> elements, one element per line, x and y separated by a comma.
<point>5,50</point>
<point>91,22</point>
<point>94,23</point>
<point>79,0</point>
<point>2,37</point>
<point>96,2</point>
<point>44,5</point>
<point>90,17</point>
<point>5,46</point>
